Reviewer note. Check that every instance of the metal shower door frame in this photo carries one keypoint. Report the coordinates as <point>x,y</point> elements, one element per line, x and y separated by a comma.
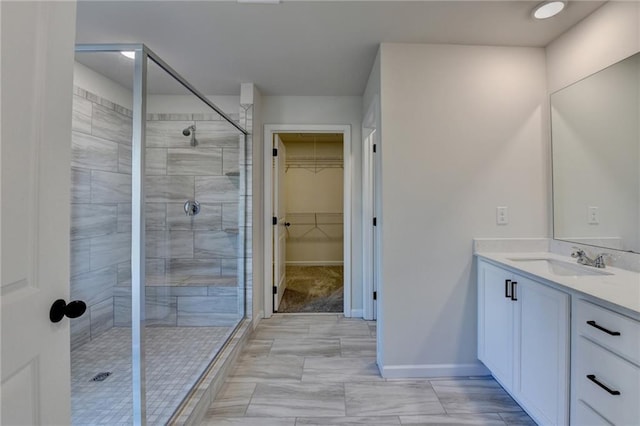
<point>138,273</point>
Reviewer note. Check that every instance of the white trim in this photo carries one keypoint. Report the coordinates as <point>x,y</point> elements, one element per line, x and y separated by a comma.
<point>315,263</point>
<point>356,313</point>
<point>433,370</point>
<point>269,131</point>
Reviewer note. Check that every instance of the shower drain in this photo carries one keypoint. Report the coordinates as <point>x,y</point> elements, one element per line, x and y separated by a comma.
<point>101,376</point>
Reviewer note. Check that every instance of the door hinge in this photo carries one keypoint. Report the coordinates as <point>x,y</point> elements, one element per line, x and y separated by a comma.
<point>275,289</point>
<point>375,295</point>
<point>374,147</point>
<point>375,221</point>
<point>274,220</point>
<point>275,152</point>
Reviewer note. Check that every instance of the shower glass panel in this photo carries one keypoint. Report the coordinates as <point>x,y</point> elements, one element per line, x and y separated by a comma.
<point>193,295</point>
<point>101,237</point>
<point>157,251</point>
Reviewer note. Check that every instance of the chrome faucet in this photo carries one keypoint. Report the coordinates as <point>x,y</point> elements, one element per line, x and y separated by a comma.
<point>583,259</point>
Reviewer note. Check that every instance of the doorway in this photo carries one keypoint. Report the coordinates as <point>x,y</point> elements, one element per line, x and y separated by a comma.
<point>307,200</point>
<point>309,197</point>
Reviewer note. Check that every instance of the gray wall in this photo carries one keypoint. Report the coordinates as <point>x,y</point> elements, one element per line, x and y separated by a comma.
<point>100,186</point>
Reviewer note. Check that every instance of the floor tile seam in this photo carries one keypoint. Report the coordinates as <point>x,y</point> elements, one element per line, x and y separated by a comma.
<point>246,408</point>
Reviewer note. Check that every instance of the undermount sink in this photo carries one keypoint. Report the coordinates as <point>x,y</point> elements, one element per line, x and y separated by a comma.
<point>560,267</point>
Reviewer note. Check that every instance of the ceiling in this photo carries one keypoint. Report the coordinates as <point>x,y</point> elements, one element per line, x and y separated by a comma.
<point>314,48</point>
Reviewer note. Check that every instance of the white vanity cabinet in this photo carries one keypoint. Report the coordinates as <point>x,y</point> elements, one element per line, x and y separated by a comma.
<point>605,366</point>
<point>523,339</point>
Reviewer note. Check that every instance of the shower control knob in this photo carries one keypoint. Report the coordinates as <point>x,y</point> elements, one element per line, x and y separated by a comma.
<point>61,309</point>
<point>191,208</point>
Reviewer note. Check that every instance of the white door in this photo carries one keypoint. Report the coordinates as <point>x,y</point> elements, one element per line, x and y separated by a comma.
<point>543,380</point>
<point>280,232</point>
<point>369,235</point>
<point>37,69</point>
<point>496,322</point>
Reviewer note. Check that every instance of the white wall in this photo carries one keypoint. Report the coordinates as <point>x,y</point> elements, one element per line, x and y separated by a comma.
<point>328,110</point>
<point>464,129</point>
<point>190,103</point>
<point>608,35</point>
<point>88,79</point>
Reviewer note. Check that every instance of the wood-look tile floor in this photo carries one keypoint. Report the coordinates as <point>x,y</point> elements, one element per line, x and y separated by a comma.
<point>321,370</point>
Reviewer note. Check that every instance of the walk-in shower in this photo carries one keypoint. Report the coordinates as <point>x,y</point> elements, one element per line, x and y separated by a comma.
<point>158,251</point>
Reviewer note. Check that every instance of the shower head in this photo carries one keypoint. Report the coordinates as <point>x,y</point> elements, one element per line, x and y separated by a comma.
<point>188,130</point>
<point>191,131</point>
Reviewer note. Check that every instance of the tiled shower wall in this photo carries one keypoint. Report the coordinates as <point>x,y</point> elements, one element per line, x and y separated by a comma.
<point>192,262</point>
<point>100,185</point>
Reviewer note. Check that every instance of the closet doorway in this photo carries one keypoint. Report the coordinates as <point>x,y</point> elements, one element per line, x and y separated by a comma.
<point>307,193</point>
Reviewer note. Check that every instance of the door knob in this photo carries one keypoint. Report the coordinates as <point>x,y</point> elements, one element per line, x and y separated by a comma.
<point>60,309</point>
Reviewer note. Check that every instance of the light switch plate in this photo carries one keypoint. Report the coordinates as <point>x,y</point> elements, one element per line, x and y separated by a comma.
<point>593,215</point>
<point>502,215</point>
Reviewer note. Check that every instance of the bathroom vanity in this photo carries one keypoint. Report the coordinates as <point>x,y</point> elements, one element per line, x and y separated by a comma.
<point>563,339</point>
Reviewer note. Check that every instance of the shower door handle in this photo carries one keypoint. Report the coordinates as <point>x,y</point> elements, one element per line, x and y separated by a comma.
<point>61,309</point>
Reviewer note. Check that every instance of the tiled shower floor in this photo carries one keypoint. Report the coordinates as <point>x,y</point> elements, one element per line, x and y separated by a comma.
<point>175,359</point>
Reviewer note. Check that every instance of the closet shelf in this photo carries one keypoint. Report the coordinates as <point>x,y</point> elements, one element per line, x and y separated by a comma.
<point>314,164</point>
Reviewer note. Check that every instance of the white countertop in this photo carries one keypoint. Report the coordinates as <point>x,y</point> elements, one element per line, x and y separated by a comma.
<point>621,288</point>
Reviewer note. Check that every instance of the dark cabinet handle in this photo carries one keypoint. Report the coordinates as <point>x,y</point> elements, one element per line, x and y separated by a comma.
<point>601,328</point>
<point>61,309</point>
<point>513,290</point>
<point>592,377</point>
<point>506,289</point>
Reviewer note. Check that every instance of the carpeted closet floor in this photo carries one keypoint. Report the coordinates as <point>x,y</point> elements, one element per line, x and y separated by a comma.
<point>313,289</point>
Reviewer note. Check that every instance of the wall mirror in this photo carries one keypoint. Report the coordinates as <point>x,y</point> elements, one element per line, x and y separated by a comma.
<point>596,158</point>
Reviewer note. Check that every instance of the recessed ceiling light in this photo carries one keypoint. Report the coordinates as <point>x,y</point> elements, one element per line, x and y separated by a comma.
<point>548,9</point>
<point>129,54</point>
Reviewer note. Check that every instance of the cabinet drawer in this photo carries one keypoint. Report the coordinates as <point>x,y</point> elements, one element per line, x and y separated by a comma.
<point>610,371</point>
<point>583,415</point>
<point>597,323</point>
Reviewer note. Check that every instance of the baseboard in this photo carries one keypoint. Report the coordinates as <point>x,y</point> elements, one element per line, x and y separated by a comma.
<point>433,370</point>
<point>357,313</point>
<point>314,263</point>
<point>256,320</point>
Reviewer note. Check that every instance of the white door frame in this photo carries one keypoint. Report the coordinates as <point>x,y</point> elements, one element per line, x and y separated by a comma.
<point>269,131</point>
<point>370,235</point>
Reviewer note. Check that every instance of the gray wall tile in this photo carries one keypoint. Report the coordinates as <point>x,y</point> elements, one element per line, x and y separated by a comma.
<point>194,161</point>
<point>95,286</point>
<point>80,256</point>
<point>209,218</point>
<point>93,153</point>
<point>168,134</point>
<point>230,267</point>
<point>80,331</point>
<point>230,215</point>
<point>217,189</point>
<point>158,311</point>
<point>92,220</point>
<point>110,250</point>
<point>124,159</point>
<point>169,244</point>
<point>224,304</point>
<point>215,244</point>
<point>109,187</point>
<point>156,161</point>
<point>164,189</point>
<point>206,267</point>
<point>216,133</point>
<point>101,317</point>
<point>152,267</point>
<point>80,185</point>
<point>81,116</point>
<point>155,217</point>
<point>108,124</point>
<point>230,162</point>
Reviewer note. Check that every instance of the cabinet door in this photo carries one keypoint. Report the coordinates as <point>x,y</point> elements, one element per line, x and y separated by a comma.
<point>542,352</point>
<point>495,323</point>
